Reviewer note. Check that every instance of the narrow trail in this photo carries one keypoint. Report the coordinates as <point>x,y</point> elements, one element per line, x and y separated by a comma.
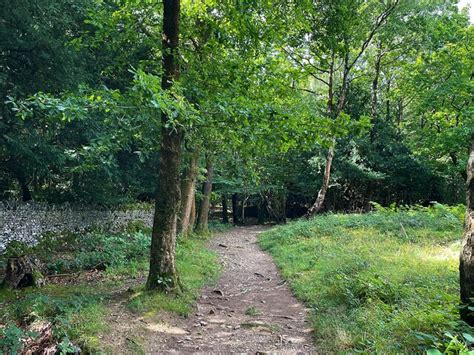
<point>249,310</point>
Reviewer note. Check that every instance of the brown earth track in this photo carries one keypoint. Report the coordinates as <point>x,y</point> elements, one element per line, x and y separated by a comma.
<point>249,310</point>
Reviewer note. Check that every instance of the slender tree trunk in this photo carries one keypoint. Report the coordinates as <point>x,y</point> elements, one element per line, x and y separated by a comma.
<point>332,112</point>
<point>466,266</point>
<point>318,204</point>
<point>203,216</point>
<point>162,274</point>
<point>244,202</point>
<point>375,87</point>
<point>225,216</point>
<point>188,184</point>
<point>235,209</point>
<point>192,217</point>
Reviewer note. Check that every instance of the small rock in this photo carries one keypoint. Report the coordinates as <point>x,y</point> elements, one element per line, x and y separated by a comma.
<point>203,323</point>
<point>237,327</point>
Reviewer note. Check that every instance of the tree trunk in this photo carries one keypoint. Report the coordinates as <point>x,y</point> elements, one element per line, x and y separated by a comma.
<point>235,209</point>
<point>192,217</point>
<point>202,225</point>
<point>188,185</point>
<point>23,271</point>
<point>318,204</point>
<point>466,266</point>
<point>162,274</point>
<point>375,87</point>
<point>25,190</point>
<point>244,202</point>
<point>225,216</point>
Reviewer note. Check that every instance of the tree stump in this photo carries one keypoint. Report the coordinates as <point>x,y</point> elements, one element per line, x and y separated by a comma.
<point>23,271</point>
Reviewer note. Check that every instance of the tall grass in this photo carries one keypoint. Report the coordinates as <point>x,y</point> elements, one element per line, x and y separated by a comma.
<point>380,282</point>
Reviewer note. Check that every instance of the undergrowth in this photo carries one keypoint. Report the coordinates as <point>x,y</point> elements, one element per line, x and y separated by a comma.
<point>77,309</point>
<point>384,282</point>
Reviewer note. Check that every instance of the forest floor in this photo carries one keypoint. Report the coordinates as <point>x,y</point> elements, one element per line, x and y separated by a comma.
<point>249,309</point>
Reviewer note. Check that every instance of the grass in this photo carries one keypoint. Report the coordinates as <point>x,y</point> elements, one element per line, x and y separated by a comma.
<point>196,266</point>
<point>78,311</point>
<point>252,311</point>
<point>384,282</point>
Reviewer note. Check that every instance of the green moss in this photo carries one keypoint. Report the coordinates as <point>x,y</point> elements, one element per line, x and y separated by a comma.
<point>375,281</point>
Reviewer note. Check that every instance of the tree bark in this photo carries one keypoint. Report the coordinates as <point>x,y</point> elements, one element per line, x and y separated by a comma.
<point>225,216</point>
<point>235,209</point>
<point>23,271</point>
<point>163,274</point>
<point>318,204</point>
<point>202,224</point>
<point>188,185</point>
<point>192,217</point>
<point>466,265</point>
<point>375,87</point>
<point>244,202</point>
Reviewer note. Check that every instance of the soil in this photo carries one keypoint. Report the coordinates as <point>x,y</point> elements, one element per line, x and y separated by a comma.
<point>250,310</point>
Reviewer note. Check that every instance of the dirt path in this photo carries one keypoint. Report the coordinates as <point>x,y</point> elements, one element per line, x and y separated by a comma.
<point>249,310</point>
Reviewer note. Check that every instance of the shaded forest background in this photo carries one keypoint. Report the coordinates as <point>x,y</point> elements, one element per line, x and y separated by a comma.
<point>79,111</point>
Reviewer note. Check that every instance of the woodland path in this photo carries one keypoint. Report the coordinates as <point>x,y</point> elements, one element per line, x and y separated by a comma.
<point>249,310</point>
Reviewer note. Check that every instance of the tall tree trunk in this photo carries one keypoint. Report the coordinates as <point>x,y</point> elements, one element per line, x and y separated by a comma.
<point>375,87</point>
<point>235,209</point>
<point>318,204</point>
<point>162,274</point>
<point>192,217</point>
<point>188,184</point>
<point>203,216</point>
<point>225,216</point>
<point>466,266</point>
<point>332,112</point>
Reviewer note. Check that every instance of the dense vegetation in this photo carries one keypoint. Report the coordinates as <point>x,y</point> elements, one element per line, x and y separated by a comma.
<point>280,109</point>
<point>384,282</point>
<point>81,100</point>
<point>85,273</point>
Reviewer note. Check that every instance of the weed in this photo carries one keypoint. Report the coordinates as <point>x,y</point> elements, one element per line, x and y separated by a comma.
<point>252,311</point>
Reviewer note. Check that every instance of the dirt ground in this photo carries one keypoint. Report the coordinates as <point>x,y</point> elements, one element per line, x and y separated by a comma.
<point>249,310</point>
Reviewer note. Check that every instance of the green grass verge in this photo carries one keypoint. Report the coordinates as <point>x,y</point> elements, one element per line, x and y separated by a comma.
<point>196,266</point>
<point>384,282</point>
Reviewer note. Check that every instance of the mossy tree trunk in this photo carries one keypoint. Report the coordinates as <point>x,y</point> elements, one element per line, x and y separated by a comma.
<point>466,266</point>
<point>202,224</point>
<point>162,274</point>
<point>23,271</point>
